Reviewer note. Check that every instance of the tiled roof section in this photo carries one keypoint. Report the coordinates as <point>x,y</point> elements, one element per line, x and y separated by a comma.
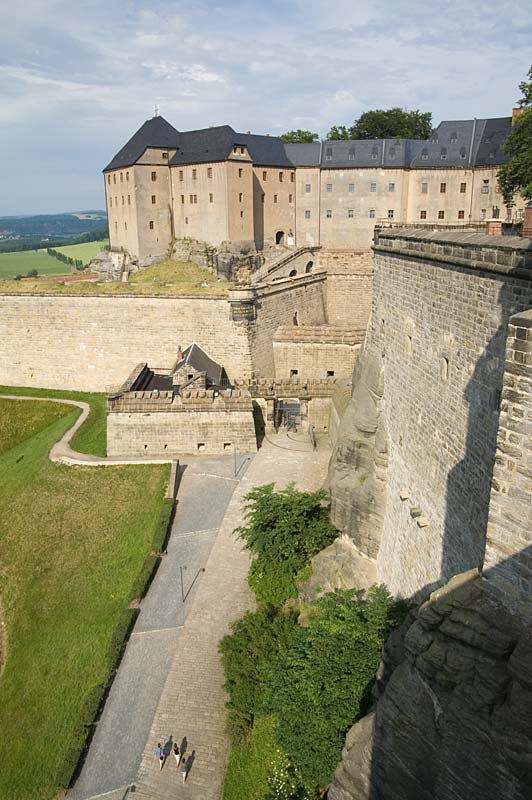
<point>494,133</point>
<point>155,132</point>
<point>304,155</point>
<point>216,144</point>
<point>266,151</point>
<point>198,358</point>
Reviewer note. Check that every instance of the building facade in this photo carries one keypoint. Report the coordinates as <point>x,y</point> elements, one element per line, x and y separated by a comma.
<point>216,185</point>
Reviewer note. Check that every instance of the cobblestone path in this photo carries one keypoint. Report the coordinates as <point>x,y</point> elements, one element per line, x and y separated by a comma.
<point>192,704</point>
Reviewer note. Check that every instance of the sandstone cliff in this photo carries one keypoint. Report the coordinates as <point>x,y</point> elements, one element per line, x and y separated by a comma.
<point>453,716</point>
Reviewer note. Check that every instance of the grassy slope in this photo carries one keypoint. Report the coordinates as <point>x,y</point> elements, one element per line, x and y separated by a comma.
<point>92,436</point>
<point>84,251</point>
<point>72,541</point>
<point>251,763</point>
<point>169,278</point>
<point>12,264</point>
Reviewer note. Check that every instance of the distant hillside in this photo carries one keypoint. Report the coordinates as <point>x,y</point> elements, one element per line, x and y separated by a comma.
<point>51,226</point>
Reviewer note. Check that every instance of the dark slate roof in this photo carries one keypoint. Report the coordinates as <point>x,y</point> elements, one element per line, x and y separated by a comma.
<point>455,143</point>
<point>200,361</point>
<point>304,155</point>
<point>155,132</point>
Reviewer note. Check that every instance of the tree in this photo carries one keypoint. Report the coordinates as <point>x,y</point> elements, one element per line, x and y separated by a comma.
<point>516,175</point>
<point>394,123</point>
<point>299,136</point>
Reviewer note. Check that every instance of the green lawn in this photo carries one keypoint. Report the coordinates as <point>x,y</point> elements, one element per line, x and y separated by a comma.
<point>12,264</point>
<point>73,540</point>
<point>251,763</point>
<point>92,436</point>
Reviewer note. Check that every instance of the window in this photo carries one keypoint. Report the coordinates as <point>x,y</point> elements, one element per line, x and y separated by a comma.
<point>307,187</point>
<point>329,187</point>
<point>191,198</point>
<point>293,372</point>
<point>454,138</point>
<point>153,199</point>
<point>241,214</point>
<point>443,153</point>
<point>240,172</point>
<point>281,176</point>
<point>111,202</point>
<point>211,197</point>
<point>262,198</point>
<point>195,198</point>
<point>289,198</point>
<point>424,188</point>
<point>235,149</point>
<point>121,177</point>
<point>351,188</point>
<point>116,200</point>
<point>292,177</point>
<point>463,152</point>
<point>498,188</point>
<point>129,199</point>
<point>482,213</point>
<point>461,215</point>
<point>114,178</point>
<point>495,212</point>
<point>391,187</point>
<point>328,213</point>
<point>154,176</point>
<point>463,187</point>
<point>182,199</point>
<point>351,154</point>
<point>441,214</point>
<point>374,151</point>
<point>443,188</point>
<point>194,174</point>
<point>116,227</point>
<point>328,154</point>
<point>275,198</point>
<point>330,373</point>
<point>444,368</point>
<point>391,152</point>
<point>350,213</point>
<point>373,187</point>
<point>123,200</point>
<point>180,174</point>
<point>186,220</point>
<point>242,151</point>
<point>424,154</point>
<point>264,175</point>
<point>422,215</point>
<point>390,213</point>
<point>127,176</point>
<point>372,213</point>
<point>209,172</point>
<point>125,226</point>
<point>240,197</point>
<point>485,186</point>
<point>165,156</point>
<point>151,224</point>
<point>109,180</point>
<point>491,154</point>
<point>307,213</point>
<point>408,344</point>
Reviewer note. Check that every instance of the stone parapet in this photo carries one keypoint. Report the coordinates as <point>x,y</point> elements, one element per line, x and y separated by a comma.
<point>505,254</point>
<point>321,334</point>
<point>187,400</point>
<point>261,387</point>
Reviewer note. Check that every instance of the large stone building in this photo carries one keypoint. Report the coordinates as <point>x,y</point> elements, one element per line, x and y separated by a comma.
<point>216,185</point>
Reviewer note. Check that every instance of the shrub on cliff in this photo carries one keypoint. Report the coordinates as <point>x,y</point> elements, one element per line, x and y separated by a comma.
<point>284,530</point>
<point>319,685</point>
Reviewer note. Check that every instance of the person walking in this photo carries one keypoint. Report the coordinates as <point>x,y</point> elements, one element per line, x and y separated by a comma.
<point>159,755</point>
<point>183,769</point>
<point>177,754</point>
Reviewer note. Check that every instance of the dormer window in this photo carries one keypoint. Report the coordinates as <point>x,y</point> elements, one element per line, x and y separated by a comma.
<point>463,152</point>
<point>391,152</point>
<point>454,138</point>
<point>328,154</point>
<point>434,138</point>
<point>424,154</point>
<point>351,154</point>
<point>443,153</point>
<point>374,151</point>
<point>165,156</point>
<point>242,150</point>
<point>235,149</point>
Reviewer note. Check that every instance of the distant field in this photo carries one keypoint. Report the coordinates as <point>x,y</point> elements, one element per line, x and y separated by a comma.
<point>12,264</point>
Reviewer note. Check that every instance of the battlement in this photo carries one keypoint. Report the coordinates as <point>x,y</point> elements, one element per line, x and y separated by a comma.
<point>205,400</point>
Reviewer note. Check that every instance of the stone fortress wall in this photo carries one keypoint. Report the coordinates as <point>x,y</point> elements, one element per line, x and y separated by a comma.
<point>427,397</point>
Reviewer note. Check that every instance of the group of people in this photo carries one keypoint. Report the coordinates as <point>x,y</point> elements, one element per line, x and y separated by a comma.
<point>178,753</point>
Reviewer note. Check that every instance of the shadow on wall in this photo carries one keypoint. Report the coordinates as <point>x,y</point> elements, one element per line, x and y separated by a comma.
<point>258,207</point>
<point>453,713</point>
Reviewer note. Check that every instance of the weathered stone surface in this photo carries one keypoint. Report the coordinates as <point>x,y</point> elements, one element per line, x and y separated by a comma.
<point>339,566</point>
<point>233,260</point>
<point>358,464</point>
<point>454,717</point>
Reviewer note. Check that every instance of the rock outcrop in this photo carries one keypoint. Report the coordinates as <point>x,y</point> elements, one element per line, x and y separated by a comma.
<point>357,471</point>
<point>453,715</point>
<point>339,566</point>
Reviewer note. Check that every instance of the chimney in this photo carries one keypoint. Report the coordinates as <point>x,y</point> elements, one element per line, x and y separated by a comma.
<point>179,353</point>
<point>248,133</point>
<point>516,112</point>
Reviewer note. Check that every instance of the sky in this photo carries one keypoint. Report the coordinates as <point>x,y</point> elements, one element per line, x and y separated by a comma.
<point>77,79</point>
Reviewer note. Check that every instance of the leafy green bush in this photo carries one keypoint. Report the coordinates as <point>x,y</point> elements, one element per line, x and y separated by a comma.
<point>163,523</point>
<point>320,685</point>
<point>143,580</point>
<point>244,652</point>
<point>284,530</point>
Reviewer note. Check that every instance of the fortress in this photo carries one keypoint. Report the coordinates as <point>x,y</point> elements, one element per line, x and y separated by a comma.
<point>215,185</point>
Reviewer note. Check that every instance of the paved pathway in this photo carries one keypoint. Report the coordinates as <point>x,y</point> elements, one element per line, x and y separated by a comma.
<point>120,735</point>
<point>193,701</point>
